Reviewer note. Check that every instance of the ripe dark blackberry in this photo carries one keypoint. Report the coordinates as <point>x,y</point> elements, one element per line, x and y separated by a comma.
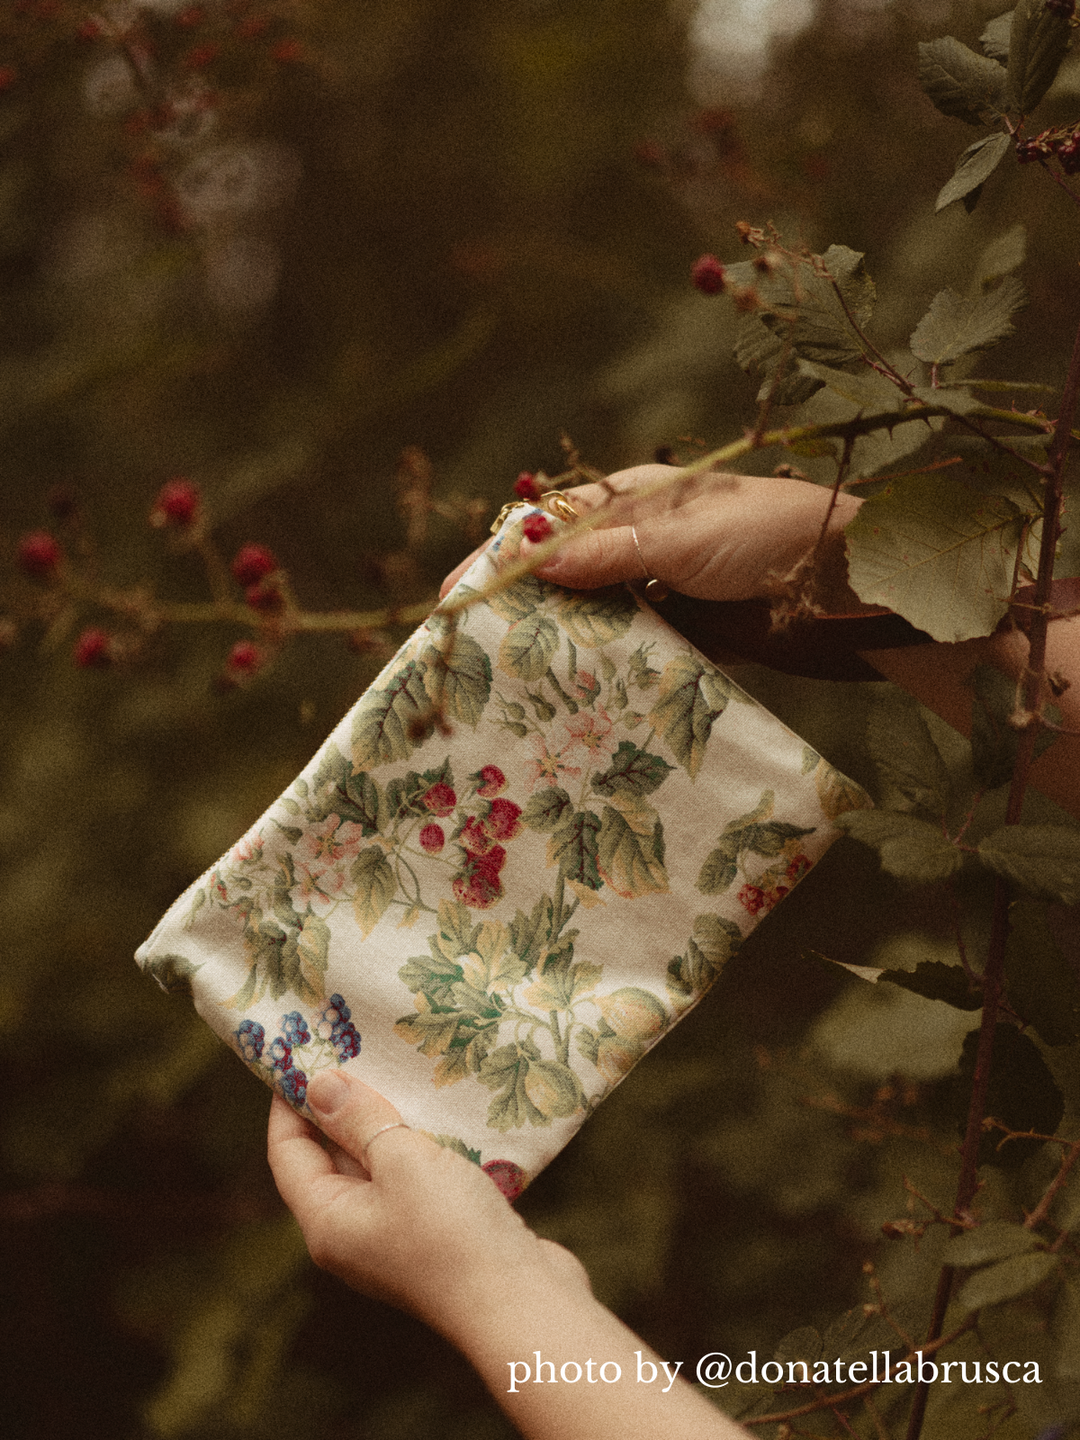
<point>1068,154</point>
<point>294,1086</point>
<point>345,1039</point>
<point>250,1037</point>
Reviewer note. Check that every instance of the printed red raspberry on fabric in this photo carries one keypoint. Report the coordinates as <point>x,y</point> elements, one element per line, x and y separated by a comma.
<point>440,799</point>
<point>503,820</point>
<point>39,554</point>
<point>91,648</point>
<point>708,275</point>
<point>432,838</point>
<point>177,503</point>
<point>490,781</point>
<point>536,528</point>
<point>252,563</point>
<point>510,1178</point>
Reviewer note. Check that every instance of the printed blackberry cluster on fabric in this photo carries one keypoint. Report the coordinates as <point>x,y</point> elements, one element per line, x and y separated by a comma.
<point>533,844</point>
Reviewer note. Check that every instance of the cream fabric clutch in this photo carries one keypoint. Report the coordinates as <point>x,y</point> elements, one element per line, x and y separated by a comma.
<point>530,847</point>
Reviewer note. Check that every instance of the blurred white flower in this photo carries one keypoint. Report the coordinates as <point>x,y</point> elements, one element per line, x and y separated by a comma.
<point>109,87</point>
<point>236,179</point>
<point>192,116</point>
<point>242,273</point>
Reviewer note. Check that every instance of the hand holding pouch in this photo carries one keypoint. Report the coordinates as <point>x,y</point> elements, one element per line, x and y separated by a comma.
<point>530,847</point>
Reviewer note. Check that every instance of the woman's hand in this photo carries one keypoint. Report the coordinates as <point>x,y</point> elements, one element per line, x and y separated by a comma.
<point>715,537</point>
<point>412,1222</point>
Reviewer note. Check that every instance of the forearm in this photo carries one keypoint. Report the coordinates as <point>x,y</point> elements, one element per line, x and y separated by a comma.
<point>535,1318</point>
<point>938,676</point>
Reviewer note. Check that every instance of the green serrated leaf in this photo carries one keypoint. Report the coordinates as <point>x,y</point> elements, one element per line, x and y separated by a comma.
<point>632,772</point>
<point>389,723</point>
<point>996,1240</point>
<point>596,617</point>
<point>457,675</point>
<point>1022,1095</point>
<point>375,887</point>
<point>1039,40</point>
<point>1007,1279</point>
<point>1001,257</point>
<point>573,849</point>
<point>529,647</point>
<point>759,352</point>
<point>805,311</point>
<point>544,810</point>
<point>628,856</point>
<point>907,759</point>
<point>973,167</point>
<point>934,980</point>
<point>172,972</point>
<point>1042,859</point>
<point>957,325</point>
<point>995,38</point>
<point>961,83</point>
<point>936,552</point>
<point>865,388</point>
<point>1042,985</point>
<point>692,694</point>
<point>909,848</point>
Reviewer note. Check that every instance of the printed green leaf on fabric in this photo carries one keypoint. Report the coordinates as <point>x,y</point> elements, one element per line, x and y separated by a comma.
<point>391,723</point>
<point>935,980</point>
<point>690,697</point>
<point>974,166</point>
<point>596,617</point>
<point>995,1240</point>
<point>938,553</point>
<point>1007,1279</point>
<point>375,887</point>
<point>573,848</point>
<point>457,676</point>
<point>961,83</point>
<point>529,647</point>
<point>713,942</point>
<point>910,849</point>
<point>1042,985</point>
<point>957,325</point>
<point>544,810</point>
<point>312,951</point>
<point>505,1070</point>
<point>517,600</point>
<point>172,972</point>
<point>1038,42</point>
<point>632,772</point>
<point>1042,859</point>
<point>629,851</point>
<point>1022,1095</point>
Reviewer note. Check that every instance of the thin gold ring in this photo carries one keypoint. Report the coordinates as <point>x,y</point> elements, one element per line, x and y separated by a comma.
<point>655,590</point>
<point>560,506</point>
<point>392,1125</point>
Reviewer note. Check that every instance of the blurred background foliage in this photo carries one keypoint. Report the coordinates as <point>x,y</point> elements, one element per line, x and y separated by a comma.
<point>362,225</point>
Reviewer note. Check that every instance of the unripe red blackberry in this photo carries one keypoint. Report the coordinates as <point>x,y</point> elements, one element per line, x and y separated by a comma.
<point>525,486</point>
<point>91,649</point>
<point>1068,154</point>
<point>509,1177</point>
<point>708,275</point>
<point>40,554</point>
<point>432,838</point>
<point>536,528</point>
<point>177,504</point>
<point>245,658</point>
<point>252,562</point>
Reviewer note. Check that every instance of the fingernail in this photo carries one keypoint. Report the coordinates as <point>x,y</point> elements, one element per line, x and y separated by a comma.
<point>327,1092</point>
<point>548,567</point>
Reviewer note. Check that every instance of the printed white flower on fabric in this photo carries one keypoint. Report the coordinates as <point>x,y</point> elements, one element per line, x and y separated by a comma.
<point>546,768</point>
<point>325,844</point>
<point>590,732</point>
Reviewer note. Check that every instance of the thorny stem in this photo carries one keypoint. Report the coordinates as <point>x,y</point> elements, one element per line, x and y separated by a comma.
<point>828,1401</point>
<point>1039,1214</point>
<point>883,367</point>
<point>993,976</point>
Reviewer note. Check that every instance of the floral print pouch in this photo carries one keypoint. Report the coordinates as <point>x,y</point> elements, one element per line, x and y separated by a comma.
<point>530,847</point>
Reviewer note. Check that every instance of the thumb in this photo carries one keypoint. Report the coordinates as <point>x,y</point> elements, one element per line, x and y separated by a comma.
<point>353,1115</point>
<point>599,557</point>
